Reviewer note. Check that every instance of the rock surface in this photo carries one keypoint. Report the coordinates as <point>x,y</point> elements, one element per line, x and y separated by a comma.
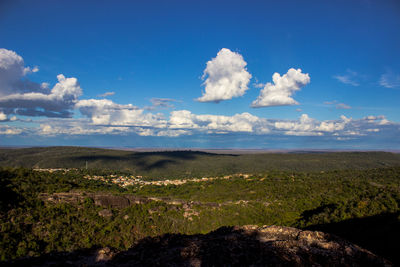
<point>227,246</point>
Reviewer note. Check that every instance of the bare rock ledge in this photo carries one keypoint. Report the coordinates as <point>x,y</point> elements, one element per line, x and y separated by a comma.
<point>227,246</point>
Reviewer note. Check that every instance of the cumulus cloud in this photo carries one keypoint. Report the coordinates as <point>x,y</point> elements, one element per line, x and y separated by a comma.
<point>8,130</point>
<point>3,117</point>
<point>379,120</point>
<point>106,112</point>
<point>280,92</point>
<point>244,122</point>
<point>184,122</point>
<point>390,80</point>
<point>349,78</point>
<point>12,72</point>
<point>308,126</point>
<point>57,103</point>
<point>20,96</point>
<point>227,77</point>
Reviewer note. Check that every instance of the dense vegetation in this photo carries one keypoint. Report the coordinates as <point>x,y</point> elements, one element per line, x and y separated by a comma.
<point>332,200</point>
<point>182,164</point>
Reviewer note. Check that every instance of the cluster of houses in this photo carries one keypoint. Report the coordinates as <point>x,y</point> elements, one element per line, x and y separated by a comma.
<point>124,181</point>
<point>137,180</point>
<point>54,170</point>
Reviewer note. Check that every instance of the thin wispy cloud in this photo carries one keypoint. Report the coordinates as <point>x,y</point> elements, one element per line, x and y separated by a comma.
<point>106,94</point>
<point>337,104</point>
<point>350,78</point>
<point>342,106</point>
<point>162,103</point>
<point>390,80</point>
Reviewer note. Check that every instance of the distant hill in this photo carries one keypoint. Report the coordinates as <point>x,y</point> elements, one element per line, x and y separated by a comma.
<point>178,164</point>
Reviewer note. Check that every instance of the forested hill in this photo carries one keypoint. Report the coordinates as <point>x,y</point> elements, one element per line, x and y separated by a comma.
<point>178,164</point>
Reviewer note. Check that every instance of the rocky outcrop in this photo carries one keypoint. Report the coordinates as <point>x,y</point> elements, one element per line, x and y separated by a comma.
<point>100,199</point>
<point>230,246</point>
<point>249,245</point>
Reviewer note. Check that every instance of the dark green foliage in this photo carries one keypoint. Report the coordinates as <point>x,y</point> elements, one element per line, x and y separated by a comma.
<point>30,227</point>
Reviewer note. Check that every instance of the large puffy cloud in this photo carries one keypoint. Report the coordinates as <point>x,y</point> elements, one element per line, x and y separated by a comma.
<point>9,130</point>
<point>106,112</point>
<point>244,122</point>
<point>308,126</point>
<point>3,117</point>
<point>227,77</point>
<point>104,117</point>
<point>20,96</point>
<point>280,92</point>
<point>184,122</point>
<point>57,103</point>
<point>12,72</point>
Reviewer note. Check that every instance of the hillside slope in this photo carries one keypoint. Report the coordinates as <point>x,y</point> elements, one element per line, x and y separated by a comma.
<point>178,164</point>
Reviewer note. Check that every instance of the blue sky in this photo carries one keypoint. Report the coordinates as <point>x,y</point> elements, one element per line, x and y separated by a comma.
<point>200,74</point>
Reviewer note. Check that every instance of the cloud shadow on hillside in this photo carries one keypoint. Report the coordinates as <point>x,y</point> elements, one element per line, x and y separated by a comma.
<point>148,161</point>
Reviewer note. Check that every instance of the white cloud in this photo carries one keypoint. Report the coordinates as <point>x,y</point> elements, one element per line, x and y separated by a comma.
<point>390,80</point>
<point>106,112</point>
<point>12,70</point>
<point>173,133</point>
<point>244,122</point>
<point>8,130</point>
<point>227,77</point>
<point>3,117</point>
<point>184,122</point>
<point>346,80</point>
<point>57,103</point>
<point>78,127</point>
<point>375,130</point>
<point>20,96</point>
<point>280,93</point>
<point>380,120</point>
<point>308,126</point>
